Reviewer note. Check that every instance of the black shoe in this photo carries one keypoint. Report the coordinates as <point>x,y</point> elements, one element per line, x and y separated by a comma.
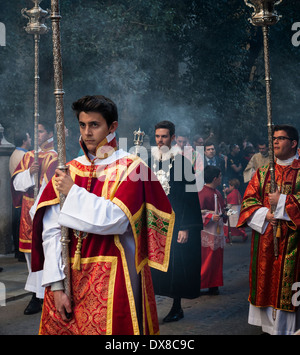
<point>213,291</point>
<point>34,306</point>
<point>21,258</point>
<point>174,316</point>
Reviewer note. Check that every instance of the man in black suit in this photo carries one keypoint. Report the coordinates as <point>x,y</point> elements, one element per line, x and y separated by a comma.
<point>211,158</point>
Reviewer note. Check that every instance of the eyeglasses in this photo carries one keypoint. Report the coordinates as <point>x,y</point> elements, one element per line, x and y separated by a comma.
<point>281,138</point>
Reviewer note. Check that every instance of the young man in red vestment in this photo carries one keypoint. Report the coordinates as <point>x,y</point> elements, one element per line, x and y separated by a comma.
<point>120,224</point>
<point>234,201</point>
<point>273,281</point>
<point>212,235</point>
<point>22,187</point>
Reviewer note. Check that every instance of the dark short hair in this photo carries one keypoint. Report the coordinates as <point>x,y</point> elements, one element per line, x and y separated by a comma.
<point>208,144</point>
<point>235,183</point>
<point>196,137</point>
<point>20,138</point>
<point>167,125</point>
<point>262,142</point>
<point>182,132</point>
<point>232,146</point>
<point>97,103</point>
<point>211,172</point>
<point>291,131</point>
<point>48,125</point>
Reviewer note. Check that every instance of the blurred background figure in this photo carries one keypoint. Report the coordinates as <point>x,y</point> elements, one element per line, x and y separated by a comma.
<point>234,201</point>
<point>257,161</point>
<point>23,144</point>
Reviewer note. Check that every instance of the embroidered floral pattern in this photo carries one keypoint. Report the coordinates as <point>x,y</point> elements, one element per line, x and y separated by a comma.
<point>91,300</point>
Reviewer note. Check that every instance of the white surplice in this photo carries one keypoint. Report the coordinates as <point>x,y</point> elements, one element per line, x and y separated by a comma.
<point>23,182</point>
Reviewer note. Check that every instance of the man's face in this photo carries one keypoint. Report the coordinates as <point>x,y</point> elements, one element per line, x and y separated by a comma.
<point>210,151</point>
<point>263,149</point>
<point>94,129</point>
<point>218,180</point>
<point>43,135</point>
<point>163,138</point>
<point>27,142</point>
<point>284,148</point>
<point>236,150</point>
<point>199,142</point>
<point>181,141</point>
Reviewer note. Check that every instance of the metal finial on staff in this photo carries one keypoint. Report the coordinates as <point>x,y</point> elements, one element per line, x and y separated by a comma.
<point>36,27</point>
<point>60,126</point>
<point>138,140</point>
<point>264,15</point>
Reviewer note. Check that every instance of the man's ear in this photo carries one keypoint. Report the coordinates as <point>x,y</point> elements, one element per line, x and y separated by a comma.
<point>173,137</point>
<point>294,145</point>
<point>113,127</point>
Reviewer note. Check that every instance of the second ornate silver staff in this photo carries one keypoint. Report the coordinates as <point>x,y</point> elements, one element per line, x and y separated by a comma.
<point>264,15</point>
<point>36,27</point>
<point>60,126</point>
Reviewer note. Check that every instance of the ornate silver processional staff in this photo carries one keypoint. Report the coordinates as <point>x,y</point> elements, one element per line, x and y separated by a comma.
<point>60,126</point>
<point>36,27</point>
<point>264,15</point>
<point>138,139</point>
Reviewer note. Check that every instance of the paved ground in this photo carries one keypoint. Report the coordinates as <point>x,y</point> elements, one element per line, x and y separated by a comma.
<point>214,315</point>
<point>225,314</point>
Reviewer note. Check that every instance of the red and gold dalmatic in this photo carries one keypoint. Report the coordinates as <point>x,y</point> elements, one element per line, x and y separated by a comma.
<point>271,280</point>
<point>47,159</point>
<point>102,296</point>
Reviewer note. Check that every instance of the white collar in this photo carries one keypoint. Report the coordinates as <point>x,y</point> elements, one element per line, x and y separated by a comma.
<point>165,153</point>
<point>287,161</point>
<point>118,154</point>
<point>50,140</point>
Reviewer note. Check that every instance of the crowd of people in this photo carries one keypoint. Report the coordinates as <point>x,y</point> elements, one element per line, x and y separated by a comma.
<point>159,234</point>
<point>223,172</point>
<point>273,217</point>
<point>235,161</point>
